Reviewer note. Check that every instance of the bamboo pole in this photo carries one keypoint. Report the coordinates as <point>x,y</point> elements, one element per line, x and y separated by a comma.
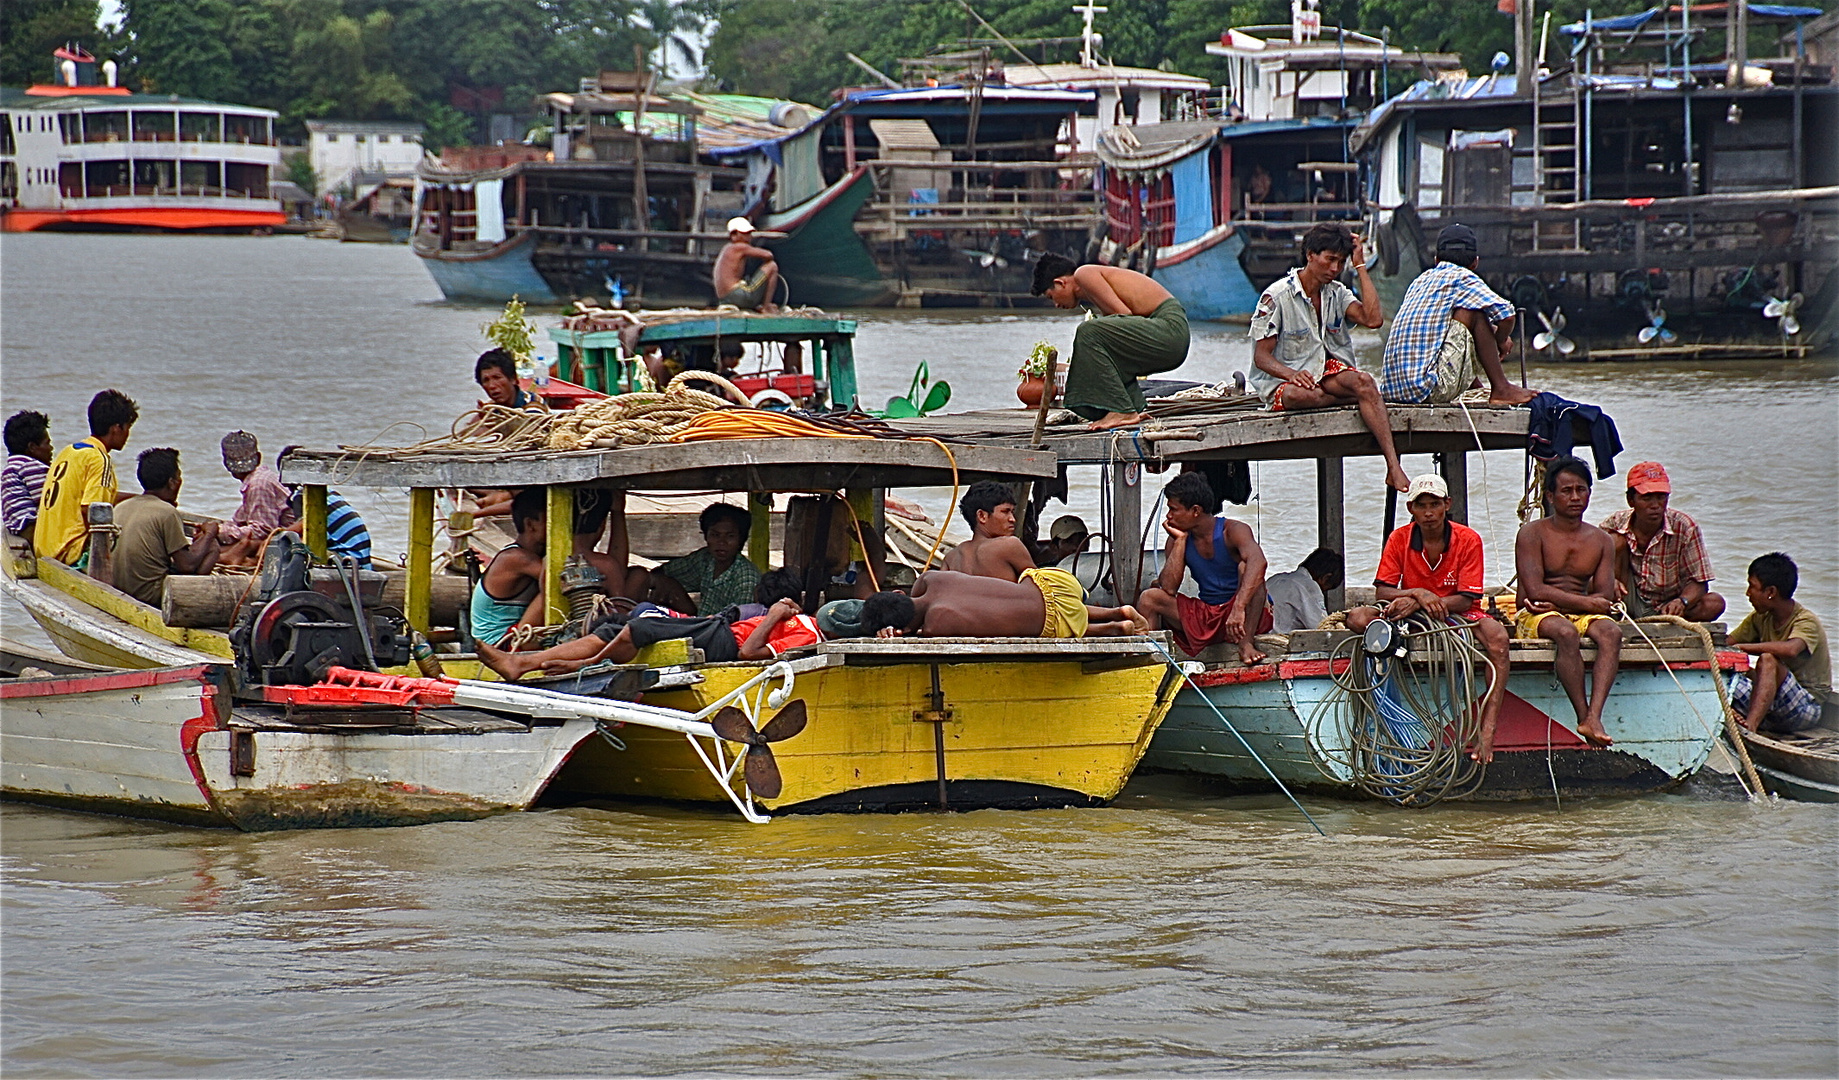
<point>419,589</point>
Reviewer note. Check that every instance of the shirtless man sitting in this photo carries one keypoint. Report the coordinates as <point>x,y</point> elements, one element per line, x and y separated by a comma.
<point>1567,588</point>
<point>1046,603</point>
<point>993,549</point>
<point>1141,329</point>
<point>733,285</point>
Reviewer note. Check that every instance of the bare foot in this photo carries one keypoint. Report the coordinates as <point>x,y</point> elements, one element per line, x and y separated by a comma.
<point>1483,750</point>
<point>1397,478</point>
<point>1250,656</point>
<point>506,664</point>
<point>1138,624</point>
<point>1511,395</point>
<point>1592,730</point>
<point>1117,420</point>
<point>564,667</point>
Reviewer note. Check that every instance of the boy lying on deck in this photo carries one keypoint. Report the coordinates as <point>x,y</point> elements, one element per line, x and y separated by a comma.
<point>1047,602</point>
<point>735,634</point>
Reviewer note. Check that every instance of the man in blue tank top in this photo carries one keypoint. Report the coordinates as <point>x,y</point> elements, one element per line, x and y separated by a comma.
<point>1227,564</point>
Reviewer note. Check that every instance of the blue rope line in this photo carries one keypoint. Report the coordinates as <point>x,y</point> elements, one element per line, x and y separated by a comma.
<point>1170,660</point>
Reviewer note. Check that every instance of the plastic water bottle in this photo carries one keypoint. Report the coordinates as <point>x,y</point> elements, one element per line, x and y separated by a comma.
<point>423,652</point>
<point>539,372</point>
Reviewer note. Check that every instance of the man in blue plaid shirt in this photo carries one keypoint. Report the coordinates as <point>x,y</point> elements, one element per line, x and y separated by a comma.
<point>1450,330</point>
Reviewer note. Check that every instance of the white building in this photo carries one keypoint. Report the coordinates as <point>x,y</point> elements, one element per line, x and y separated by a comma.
<point>362,154</point>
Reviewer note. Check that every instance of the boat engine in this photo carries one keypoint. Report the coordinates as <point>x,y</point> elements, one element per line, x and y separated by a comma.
<point>299,620</point>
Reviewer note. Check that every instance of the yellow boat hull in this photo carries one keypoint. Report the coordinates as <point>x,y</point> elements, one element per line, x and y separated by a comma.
<point>1019,733</point>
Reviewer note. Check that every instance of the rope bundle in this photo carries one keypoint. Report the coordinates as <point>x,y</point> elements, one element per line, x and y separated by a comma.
<point>631,419</point>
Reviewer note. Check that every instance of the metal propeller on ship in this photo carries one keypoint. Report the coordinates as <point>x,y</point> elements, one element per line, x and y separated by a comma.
<point>1552,337</point>
<point>1784,310</point>
<point>761,768</point>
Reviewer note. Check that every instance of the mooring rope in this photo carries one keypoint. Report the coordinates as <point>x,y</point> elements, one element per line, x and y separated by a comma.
<point>1754,789</point>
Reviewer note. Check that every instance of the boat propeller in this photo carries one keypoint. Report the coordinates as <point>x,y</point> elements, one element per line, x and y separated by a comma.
<point>1656,326</point>
<point>762,770</point>
<point>1784,310</point>
<point>1551,337</point>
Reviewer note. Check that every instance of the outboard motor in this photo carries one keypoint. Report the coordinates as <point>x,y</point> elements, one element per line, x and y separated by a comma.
<point>300,620</point>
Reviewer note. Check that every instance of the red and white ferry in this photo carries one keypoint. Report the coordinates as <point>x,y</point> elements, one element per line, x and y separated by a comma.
<point>83,153</point>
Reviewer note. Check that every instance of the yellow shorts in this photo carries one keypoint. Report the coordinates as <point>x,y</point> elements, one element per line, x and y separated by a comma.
<point>1065,599</point>
<point>1526,623</point>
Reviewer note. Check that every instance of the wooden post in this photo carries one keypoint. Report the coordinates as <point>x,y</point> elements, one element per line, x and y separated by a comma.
<point>558,537</point>
<point>842,373</point>
<point>1331,519</point>
<point>1126,528</point>
<point>849,144</point>
<point>418,588</point>
<point>313,520</point>
<point>1455,469</point>
<point>862,504</point>
<point>760,537</point>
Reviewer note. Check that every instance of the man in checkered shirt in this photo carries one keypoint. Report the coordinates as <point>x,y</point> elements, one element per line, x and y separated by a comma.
<point>1450,330</point>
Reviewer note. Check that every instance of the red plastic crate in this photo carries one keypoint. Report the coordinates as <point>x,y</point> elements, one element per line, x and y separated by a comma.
<point>793,386</point>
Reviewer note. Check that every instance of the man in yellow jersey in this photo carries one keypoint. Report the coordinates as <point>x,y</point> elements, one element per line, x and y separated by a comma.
<point>82,473</point>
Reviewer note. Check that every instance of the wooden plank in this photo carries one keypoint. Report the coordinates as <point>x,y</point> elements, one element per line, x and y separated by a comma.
<point>313,518</point>
<point>1331,519</point>
<point>760,536</point>
<point>970,650</point>
<point>772,464</point>
<point>418,589</point>
<point>558,531</point>
<point>1126,527</point>
<point>1454,466</point>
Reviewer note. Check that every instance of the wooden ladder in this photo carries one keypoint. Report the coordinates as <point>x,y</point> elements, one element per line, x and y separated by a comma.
<point>1555,157</point>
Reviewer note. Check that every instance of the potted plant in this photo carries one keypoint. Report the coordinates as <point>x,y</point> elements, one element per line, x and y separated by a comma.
<point>1033,374</point>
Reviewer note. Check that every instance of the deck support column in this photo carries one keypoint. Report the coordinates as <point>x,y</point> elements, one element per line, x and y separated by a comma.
<point>760,536</point>
<point>313,520</point>
<point>1455,469</point>
<point>842,373</point>
<point>1331,519</point>
<point>558,534</point>
<point>1126,527</point>
<point>418,587</point>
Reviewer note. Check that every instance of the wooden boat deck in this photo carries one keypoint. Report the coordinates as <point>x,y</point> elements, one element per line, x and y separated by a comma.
<point>446,720</point>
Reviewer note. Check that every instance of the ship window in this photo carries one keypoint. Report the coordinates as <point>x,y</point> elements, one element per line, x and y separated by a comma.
<point>200,178</point>
<point>105,127</point>
<point>155,126</point>
<point>245,129</point>
<point>155,178</point>
<point>200,127</point>
<point>249,181</point>
<point>6,134</point>
<point>105,178</point>
<point>70,179</point>
<point>9,179</point>
<point>331,138</point>
<point>357,138</point>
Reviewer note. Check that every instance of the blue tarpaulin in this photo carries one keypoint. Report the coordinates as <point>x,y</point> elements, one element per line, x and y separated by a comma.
<point>1193,196</point>
<point>1640,19</point>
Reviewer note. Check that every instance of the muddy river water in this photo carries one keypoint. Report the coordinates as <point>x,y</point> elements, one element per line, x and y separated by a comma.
<point>1183,930</point>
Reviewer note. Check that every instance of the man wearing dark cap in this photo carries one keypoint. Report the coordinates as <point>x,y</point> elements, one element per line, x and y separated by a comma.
<point>1450,330</point>
<point>266,505</point>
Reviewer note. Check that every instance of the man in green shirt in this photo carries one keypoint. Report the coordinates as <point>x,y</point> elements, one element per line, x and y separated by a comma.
<point>716,570</point>
<point>150,542</point>
<point>1787,688</point>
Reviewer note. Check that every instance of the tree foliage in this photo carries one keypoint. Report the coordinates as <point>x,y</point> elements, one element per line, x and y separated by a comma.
<point>31,29</point>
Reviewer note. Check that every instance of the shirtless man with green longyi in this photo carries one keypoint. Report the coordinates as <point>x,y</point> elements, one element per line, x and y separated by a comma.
<point>1141,329</point>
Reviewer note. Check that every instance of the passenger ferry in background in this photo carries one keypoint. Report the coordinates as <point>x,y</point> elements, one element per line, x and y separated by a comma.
<point>83,153</point>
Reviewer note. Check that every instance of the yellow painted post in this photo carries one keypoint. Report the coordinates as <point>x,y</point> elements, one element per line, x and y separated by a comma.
<point>559,532</point>
<point>760,538</point>
<point>862,505</point>
<point>418,588</point>
<point>313,520</point>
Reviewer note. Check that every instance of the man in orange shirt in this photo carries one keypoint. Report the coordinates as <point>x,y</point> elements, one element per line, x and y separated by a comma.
<point>1434,566</point>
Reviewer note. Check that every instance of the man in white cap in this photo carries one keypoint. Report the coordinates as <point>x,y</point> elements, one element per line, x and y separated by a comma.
<point>1068,536</point>
<point>1434,566</point>
<point>733,285</point>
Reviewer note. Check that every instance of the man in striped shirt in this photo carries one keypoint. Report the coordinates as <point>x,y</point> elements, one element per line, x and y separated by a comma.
<point>346,533</point>
<point>22,481</point>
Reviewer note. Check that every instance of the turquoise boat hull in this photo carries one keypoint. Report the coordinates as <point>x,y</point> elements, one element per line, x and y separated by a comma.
<point>1660,739</point>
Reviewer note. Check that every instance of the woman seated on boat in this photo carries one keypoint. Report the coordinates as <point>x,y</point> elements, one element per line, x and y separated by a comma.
<point>716,571</point>
<point>1048,603</point>
<point>510,593</point>
<point>722,637</point>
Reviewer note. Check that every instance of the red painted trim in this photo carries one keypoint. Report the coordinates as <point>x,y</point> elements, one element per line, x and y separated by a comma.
<point>11,689</point>
<point>1201,243</point>
<point>177,217</point>
<point>189,734</point>
<point>1236,676</point>
<point>1310,669</point>
<point>54,90</point>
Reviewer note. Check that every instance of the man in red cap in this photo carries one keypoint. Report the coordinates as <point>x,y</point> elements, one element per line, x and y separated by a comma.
<point>1661,565</point>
